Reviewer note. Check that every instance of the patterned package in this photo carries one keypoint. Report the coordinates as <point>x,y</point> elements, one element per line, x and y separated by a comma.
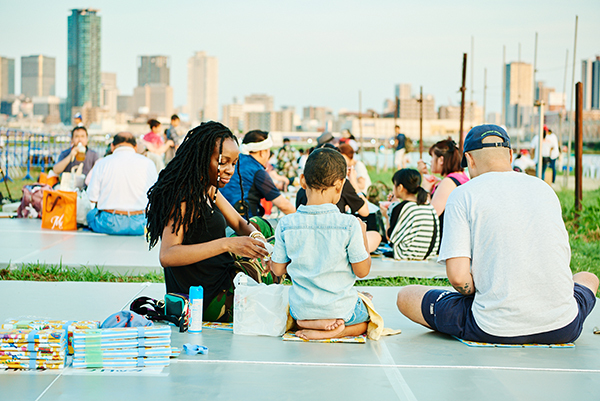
<point>49,337</point>
<point>33,364</point>
<point>40,324</point>
<point>19,355</point>
<point>128,352</point>
<point>123,333</point>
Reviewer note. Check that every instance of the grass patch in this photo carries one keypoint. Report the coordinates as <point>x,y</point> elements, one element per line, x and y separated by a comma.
<point>49,272</point>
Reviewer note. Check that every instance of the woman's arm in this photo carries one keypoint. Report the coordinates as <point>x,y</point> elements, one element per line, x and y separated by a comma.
<point>440,196</point>
<point>174,253</point>
<point>233,218</point>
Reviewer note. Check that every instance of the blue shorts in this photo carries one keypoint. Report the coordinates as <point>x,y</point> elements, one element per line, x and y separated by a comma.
<point>359,315</point>
<point>450,312</point>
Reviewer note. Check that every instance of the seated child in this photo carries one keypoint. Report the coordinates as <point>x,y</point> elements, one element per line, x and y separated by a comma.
<point>323,251</point>
<point>413,224</point>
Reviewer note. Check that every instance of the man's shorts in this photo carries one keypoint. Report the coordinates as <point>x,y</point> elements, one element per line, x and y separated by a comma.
<point>450,312</point>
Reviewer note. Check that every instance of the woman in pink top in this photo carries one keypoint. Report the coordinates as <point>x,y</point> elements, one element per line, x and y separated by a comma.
<point>445,161</point>
<point>156,145</point>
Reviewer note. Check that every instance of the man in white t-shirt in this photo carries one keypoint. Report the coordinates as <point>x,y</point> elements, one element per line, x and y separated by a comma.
<point>511,289</point>
<point>118,186</point>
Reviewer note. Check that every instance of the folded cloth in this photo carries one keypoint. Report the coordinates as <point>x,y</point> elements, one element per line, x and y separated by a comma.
<point>126,319</point>
<point>122,333</point>
<point>49,337</point>
<point>132,352</point>
<point>81,344</point>
<point>375,328</point>
<point>120,362</point>
<point>33,364</point>
<point>18,355</point>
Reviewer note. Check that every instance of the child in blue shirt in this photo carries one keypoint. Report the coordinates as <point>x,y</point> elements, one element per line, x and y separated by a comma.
<point>323,251</point>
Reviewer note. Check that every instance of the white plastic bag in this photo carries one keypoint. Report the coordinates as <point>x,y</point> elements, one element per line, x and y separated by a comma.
<point>73,180</point>
<point>259,309</point>
<point>83,207</point>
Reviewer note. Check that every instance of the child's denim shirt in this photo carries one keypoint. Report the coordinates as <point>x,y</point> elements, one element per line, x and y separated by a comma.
<point>320,243</point>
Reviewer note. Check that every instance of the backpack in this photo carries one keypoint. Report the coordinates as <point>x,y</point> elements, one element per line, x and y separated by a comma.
<point>175,309</point>
<point>31,202</point>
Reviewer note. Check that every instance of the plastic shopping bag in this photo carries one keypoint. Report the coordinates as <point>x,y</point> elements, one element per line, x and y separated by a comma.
<point>83,207</point>
<point>259,309</point>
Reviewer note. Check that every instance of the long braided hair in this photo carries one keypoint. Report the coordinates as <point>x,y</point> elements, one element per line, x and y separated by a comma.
<point>186,179</point>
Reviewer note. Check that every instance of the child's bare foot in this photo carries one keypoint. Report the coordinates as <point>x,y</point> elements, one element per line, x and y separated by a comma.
<point>320,334</point>
<point>320,324</point>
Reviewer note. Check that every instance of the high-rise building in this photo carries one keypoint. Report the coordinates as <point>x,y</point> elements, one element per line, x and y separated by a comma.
<point>519,93</point>
<point>153,99</point>
<point>83,61</point>
<point>233,117</point>
<point>7,77</point>
<point>153,70</point>
<point>38,76</point>
<point>109,93</point>
<point>403,91</point>
<point>586,81</point>
<point>596,84</point>
<point>203,87</point>
<point>260,99</point>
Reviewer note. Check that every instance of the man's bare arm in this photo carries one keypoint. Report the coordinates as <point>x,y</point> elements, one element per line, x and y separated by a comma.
<point>459,274</point>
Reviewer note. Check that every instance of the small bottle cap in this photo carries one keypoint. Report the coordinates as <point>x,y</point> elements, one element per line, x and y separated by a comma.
<point>196,292</point>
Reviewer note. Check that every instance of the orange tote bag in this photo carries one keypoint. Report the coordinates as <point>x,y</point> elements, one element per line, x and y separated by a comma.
<point>59,210</point>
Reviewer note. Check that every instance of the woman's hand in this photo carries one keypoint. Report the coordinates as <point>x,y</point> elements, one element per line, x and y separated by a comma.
<point>247,247</point>
<point>422,167</point>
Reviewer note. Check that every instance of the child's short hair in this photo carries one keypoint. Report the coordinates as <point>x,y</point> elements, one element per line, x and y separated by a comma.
<point>323,168</point>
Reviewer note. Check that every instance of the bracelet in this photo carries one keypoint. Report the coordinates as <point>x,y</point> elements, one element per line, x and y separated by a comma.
<point>257,235</point>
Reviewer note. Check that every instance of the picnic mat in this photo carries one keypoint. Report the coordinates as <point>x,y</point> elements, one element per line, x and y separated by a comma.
<point>479,344</point>
<point>32,349</point>
<point>362,339</point>
<point>217,326</point>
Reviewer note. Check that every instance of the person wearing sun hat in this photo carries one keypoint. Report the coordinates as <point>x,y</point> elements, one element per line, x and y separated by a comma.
<point>509,289</point>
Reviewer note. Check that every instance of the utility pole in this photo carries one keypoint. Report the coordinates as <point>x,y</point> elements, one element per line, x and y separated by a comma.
<point>578,148</point>
<point>538,155</point>
<point>504,85</point>
<point>463,89</point>
<point>484,92</point>
<point>360,150</point>
<point>566,176</point>
<point>535,97</point>
<point>421,126</point>
<point>472,85</point>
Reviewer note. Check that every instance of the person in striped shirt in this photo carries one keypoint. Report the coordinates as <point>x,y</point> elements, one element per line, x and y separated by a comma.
<point>413,224</point>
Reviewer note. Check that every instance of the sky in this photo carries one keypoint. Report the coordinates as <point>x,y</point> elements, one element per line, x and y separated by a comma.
<point>320,52</point>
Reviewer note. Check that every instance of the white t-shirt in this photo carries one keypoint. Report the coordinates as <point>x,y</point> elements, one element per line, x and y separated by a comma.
<point>361,171</point>
<point>555,151</point>
<point>120,181</point>
<point>523,283</point>
<point>547,146</point>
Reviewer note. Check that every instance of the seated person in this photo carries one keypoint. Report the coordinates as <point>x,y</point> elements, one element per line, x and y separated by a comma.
<point>413,227</point>
<point>323,251</point>
<point>362,174</point>
<point>156,145</point>
<point>511,289</point>
<point>118,186</point>
<point>256,183</point>
<point>77,154</point>
<point>350,201</point>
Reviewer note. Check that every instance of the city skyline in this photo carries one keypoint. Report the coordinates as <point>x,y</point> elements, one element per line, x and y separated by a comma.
<point>321,54</point>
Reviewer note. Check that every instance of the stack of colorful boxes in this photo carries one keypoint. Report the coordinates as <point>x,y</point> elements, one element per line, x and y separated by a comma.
<point>122,347</point>
<point>32,349</point>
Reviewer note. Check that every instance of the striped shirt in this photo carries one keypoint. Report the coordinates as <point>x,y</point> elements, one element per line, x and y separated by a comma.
<point>414,231</point>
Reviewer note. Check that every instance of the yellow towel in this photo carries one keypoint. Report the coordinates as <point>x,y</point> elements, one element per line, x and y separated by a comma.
<point>375,327</point>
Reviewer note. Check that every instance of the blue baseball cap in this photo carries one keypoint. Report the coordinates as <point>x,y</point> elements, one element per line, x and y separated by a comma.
<point>78,115</point>
<point>474,139</point>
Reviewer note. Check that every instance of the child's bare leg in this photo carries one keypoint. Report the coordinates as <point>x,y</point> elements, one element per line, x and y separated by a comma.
<point>341,331</point>
<point>320,324</point>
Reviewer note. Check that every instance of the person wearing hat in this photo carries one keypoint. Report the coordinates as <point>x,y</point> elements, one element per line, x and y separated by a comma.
<point>78,120</point>
<point>325,137</point>
<point>509,289</point>
<point>257,184</point>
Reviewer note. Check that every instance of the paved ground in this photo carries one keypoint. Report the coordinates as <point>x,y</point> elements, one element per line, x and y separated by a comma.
<point>415,365</point>
<point>24,241</point>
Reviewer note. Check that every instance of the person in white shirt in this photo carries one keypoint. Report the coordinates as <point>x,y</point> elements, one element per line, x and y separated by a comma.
<point>118,186</point>
<point>509,289</point>
<point>550,151</point>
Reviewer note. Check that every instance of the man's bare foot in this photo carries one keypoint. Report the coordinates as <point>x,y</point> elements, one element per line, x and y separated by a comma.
<point>320,334</point>
<point>320,324</point>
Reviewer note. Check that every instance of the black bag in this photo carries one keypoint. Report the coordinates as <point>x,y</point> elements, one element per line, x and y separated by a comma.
<point>175,308</point>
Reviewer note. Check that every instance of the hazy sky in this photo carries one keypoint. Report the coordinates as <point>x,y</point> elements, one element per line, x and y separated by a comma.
<point>321,52</point>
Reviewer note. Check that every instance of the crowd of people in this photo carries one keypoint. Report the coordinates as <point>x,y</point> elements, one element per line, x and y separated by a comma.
<point>507,290</point>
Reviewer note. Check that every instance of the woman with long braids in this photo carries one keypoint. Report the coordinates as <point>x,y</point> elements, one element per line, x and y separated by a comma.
<point>188,213</point>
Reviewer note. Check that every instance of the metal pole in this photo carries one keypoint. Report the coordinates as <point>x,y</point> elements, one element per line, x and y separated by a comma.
<point>484,92</point>
<point>472,85</point>
<point>535,97</point>
<point>561,116</point>
<point>578,147</point>
<point>504,85</point>
<point>566,176</point>
<point>421,126</point>
<point>360,149</point>
<point>462,103</point>
<point>538,156</point>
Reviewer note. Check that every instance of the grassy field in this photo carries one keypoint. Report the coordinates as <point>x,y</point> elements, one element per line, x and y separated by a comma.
<point>584,236</point>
